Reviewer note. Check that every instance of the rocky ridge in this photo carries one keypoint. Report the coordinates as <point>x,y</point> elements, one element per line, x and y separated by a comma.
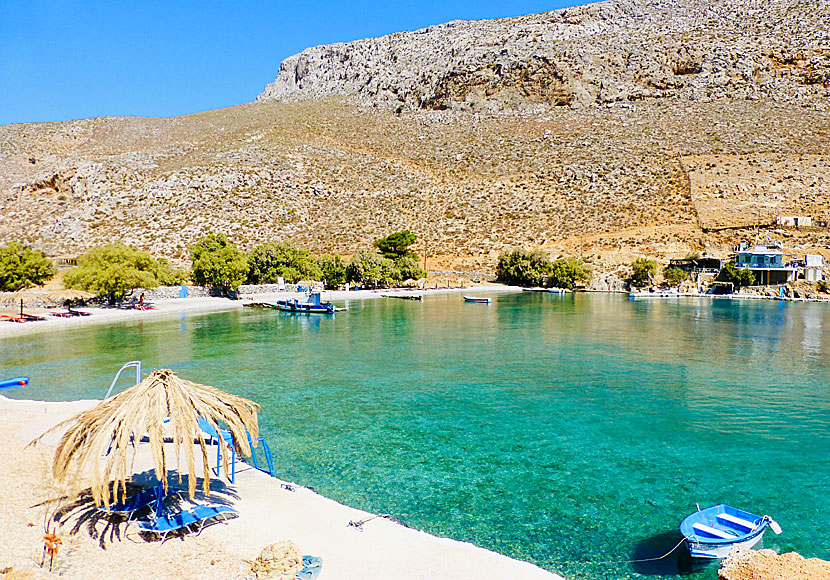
<point>607,52</point>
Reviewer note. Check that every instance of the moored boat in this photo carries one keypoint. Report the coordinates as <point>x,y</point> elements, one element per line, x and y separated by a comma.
<point>477,299</point>
<point>14,382</point>
<point>313,305</point>
<point>714,531</point>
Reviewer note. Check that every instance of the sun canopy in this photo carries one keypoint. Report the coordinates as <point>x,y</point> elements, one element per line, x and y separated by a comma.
<point>100,442</point>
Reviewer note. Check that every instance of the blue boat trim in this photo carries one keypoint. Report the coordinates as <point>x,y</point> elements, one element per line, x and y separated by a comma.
<point>714,531</point>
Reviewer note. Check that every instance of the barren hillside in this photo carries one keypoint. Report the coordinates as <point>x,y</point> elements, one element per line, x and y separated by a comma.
<point>658,176</point>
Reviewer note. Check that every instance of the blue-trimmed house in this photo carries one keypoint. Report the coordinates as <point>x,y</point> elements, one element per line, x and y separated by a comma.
<point>768,264</point>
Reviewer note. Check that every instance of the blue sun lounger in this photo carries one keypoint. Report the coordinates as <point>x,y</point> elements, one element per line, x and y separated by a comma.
<point>133,503</point>
<point>227,437</point>
<point>198,517</point>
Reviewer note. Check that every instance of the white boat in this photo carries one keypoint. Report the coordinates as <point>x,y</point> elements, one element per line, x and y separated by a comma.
<point>714,531</point>
<point>477,299</point>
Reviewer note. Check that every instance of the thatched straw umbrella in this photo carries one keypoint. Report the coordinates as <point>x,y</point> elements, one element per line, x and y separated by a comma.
<point>28,297</point>
<point>100,442</point>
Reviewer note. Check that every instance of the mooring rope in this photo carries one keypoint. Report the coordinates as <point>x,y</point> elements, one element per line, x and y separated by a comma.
<point>680,543</point>
<point>359,524</point>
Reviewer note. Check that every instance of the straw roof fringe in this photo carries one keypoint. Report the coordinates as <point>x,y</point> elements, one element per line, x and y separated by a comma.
<point>100,442</point>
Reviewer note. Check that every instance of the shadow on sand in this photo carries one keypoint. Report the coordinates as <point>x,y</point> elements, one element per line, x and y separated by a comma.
<point>79,512</point>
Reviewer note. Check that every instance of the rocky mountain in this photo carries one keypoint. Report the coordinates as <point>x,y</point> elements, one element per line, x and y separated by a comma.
<point>618,50</point>
<point>457,132</point>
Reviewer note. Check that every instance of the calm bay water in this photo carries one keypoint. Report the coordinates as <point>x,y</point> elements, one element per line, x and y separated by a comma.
<point>574,432</point>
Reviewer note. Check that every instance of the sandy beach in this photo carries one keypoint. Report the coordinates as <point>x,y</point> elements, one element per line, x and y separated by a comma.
<point>177,306</point>
<point>269,511</point>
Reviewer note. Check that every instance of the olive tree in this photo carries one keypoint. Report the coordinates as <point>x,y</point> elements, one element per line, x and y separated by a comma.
<point>218,262</point>
<point>22,267</point>
<point>111,270</point>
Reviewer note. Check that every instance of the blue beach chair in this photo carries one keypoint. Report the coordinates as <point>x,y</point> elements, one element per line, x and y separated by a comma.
<point>227,437</point>
<point>132,504</point>
<point>195,519</point>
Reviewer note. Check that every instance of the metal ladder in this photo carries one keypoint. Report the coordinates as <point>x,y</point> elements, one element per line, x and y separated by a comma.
<point>132,363</point>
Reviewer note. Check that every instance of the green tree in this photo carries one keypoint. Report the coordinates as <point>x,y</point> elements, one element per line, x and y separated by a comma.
<point>673,276</point>
<point>270,261</point>
<point>523,267</point>
<point>22,267</point>
<point>642,271</point>
<point>112,270</point>
<point>738,276</point>
<point>218,262</point>
<point>370,269</point>
<point>569,273</point>
<point>333,270</point>
<point>406,268</point>
<point>396,245</point>
<point>167,275</point>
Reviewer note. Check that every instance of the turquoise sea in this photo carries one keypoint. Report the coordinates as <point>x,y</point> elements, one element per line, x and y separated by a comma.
<point>574,432</point>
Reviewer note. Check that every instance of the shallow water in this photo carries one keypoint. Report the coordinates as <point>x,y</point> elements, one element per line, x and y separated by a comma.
<point>574,432</point>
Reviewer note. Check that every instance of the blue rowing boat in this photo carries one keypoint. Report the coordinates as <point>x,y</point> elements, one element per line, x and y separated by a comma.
<point>714,531</point>
<point>14,382</point>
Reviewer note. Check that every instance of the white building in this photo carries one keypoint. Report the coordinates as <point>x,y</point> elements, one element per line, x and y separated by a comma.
<point>814,265</point>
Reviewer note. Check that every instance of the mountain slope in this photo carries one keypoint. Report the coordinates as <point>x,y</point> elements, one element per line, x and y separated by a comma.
<point>658,176</point>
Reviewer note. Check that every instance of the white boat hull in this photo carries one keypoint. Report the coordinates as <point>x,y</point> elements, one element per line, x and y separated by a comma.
<point>700,549</point>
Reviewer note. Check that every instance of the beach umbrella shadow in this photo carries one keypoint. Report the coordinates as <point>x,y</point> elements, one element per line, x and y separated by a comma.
<point>100,445</point>
<point>81,513</point>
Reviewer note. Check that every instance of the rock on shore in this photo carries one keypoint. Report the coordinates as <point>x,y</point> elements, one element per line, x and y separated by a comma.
<point>744,564</point>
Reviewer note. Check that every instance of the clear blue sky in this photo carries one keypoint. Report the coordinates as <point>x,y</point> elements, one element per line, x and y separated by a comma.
<point>64,60</point>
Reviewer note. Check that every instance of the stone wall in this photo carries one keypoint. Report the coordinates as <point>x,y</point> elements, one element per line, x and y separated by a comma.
<point>170,292</point>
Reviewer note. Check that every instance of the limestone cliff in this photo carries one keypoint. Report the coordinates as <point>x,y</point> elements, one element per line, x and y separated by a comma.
<point>618,50</point>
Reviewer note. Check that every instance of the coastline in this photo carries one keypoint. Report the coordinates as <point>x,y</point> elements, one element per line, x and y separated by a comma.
<point>176,306</point>
<point>268,512</point>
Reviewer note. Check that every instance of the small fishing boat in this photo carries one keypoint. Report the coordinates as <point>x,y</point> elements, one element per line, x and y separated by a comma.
<point>313,305</point>
<point>477,299</point>
<point>714,531</point>
<point>14,382</point>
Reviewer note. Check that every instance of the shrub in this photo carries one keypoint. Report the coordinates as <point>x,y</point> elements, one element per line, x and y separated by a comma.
<point>333,270</point>
<point>270,261</point>
<point>673,276</point>
<point>569,273</point>
<point>370,269</point>
<point>22,267</point>
<point>523,267</point>
<point>112,270</point>
<point>406,268</point>
<point>738,276</point>
<point>642,271</point>
<point>822,286</point>
<point>218,262</point>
